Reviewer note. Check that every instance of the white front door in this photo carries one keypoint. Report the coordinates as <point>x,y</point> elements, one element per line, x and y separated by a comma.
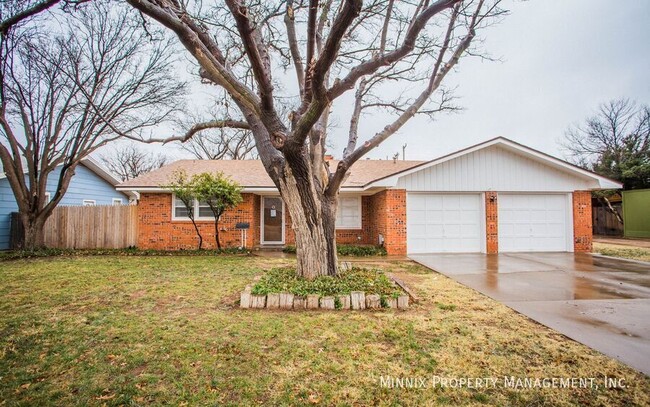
<point>440,223</point>
<point>533,222</point>
<point>272,220</point>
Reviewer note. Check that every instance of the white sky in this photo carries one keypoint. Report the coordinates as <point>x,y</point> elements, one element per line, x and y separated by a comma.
<point>561,58</point>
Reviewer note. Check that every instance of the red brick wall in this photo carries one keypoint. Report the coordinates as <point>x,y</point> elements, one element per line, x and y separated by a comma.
<point>582,228</point>
<point>255,230</point>
<point>156,230</point>
<point>396,221</point>
<point>358,236</point>
<point>383,213</point>
<point>491,222</point>
<point>387,216</point>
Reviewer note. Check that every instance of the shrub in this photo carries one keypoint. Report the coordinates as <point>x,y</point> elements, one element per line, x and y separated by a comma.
<point>357,279</point>
<point>350,250</point>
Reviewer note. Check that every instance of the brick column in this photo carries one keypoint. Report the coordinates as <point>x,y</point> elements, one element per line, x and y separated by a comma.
<point>582,228</point>
<point>387,217</point>
<point>395,236</point>
<point>491,222</point>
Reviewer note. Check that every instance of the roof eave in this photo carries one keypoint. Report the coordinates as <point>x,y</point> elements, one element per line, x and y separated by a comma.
<point>246,189</point>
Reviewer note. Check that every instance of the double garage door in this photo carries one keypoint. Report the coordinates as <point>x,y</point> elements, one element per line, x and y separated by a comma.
<point>453,223</point>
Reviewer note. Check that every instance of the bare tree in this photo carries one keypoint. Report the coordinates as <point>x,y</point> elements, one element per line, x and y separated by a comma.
<point>614,142</point>
<point>64,95</point>
<point>17,12</point>
<point>331,47</point>
<point>129,161</point>
<point>221,144</point>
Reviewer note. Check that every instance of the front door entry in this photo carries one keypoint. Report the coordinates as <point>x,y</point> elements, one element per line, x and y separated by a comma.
<point>272,220</point>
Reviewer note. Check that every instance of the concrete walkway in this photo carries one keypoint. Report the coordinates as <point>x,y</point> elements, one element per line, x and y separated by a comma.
<point>601,302</point>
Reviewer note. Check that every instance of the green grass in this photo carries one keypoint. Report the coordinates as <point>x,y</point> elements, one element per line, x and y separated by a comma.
<point>370,281</point>
<point>625,252</point>
<point>130,330</point>
<point>349,250</point>
<point>446,307</point>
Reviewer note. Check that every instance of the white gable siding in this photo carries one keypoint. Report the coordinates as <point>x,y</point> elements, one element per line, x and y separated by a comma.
<point>493,169</point>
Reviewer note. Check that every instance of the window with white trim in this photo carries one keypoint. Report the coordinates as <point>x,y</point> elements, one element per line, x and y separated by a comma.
<point>201,209</point>
<point>117,201</point>
<point>48,197</point>
<point>88,202</point>
<point>180,211</point>
<point>204,210</point>
<point>348,215</point>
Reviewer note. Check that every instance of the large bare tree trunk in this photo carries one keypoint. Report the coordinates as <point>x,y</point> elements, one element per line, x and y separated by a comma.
<point>34,228</point>
<point>313,218</point>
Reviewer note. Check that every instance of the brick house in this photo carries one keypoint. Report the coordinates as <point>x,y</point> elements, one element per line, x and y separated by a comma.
<point>497,196</point>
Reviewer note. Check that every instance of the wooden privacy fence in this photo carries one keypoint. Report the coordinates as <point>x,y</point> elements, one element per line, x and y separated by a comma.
<point>92,227</point>
<point>605,222</point>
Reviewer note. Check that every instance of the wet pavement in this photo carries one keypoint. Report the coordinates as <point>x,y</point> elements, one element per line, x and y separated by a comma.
<point>599,301</point>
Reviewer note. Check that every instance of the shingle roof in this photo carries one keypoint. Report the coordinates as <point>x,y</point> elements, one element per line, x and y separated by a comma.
<point>251,173</point>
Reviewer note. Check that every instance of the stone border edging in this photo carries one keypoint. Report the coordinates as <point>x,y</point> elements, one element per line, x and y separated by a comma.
<point>357,300</point>
<point>401,284</point>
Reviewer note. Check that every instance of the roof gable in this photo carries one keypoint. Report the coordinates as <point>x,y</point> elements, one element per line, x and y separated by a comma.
<point>499,164</point>
<point>493,169</point>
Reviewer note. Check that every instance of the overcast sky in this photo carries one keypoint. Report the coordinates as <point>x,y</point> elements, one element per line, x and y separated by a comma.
<point>560,59</point>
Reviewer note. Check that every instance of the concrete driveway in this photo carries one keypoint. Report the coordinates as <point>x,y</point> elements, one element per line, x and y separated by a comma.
<point>599,301</point>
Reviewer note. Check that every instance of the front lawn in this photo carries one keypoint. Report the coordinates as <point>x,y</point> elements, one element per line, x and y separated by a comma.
<point>120,330</point>
<point>625,252</point>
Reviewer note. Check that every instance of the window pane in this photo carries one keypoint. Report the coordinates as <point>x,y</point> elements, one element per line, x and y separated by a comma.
<point>205,212</point>
<point>180,211</point>
<point>348,215</point>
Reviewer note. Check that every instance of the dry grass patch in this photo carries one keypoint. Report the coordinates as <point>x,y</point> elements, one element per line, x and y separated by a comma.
<point>157,330</point>
<point>625,252</point>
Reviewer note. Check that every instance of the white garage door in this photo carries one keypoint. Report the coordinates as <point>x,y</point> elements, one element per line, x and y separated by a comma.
<point>532,223</point>
<point>438,223</point>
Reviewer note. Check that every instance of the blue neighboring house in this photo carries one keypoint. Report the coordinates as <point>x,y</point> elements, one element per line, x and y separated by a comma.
<point>91,185</point>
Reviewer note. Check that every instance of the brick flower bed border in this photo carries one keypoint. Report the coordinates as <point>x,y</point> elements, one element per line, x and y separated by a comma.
<point>357,300</point>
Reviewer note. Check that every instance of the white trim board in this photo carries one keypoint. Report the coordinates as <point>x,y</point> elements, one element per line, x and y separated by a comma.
<point>272,242</point>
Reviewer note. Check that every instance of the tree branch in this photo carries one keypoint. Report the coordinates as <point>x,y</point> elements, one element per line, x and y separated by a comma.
<point>369,67</point>
<point>213,124</point>
<point>203,48</point>
<point>319,99</point>
<point>437,75</point>
<point>256,51</point>
<point>17,18</point>
<point>289,21</point>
